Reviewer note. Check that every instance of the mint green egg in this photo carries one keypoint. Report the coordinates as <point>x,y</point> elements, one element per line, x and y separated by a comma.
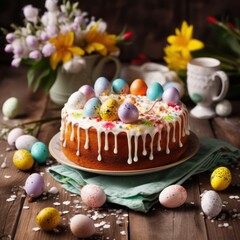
<point>10,107</point>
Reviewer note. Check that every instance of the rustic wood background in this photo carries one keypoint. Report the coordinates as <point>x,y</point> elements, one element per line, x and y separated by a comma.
<point>151,20</point>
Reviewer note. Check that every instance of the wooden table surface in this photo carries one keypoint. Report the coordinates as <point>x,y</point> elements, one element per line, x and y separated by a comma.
<point>17,214</point>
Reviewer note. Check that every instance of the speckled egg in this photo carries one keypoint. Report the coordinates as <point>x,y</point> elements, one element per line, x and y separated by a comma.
<point>223,108</point>
<point>92,107</point>
<point>109,110</point>
<point>82,226</point>
<point>25,142</point>
<point>120,86</point>
<point>39,152</point>
<point>211,203</point>
<point>88,91</point>
<point>76,100</point>
<point>138,87</point>
<point>102,86</point>
<point>221,178</point>
<point>34,185</point>
<point>13,135</point>
<point>154,91</point>
<point>178,86</point>
<point>10,107</point>
<point>171,96</point>
<point>93,195</point>
<point>48,218</point>
<point>173,196</point>
<point>22,159</point>
<point>128,112</point>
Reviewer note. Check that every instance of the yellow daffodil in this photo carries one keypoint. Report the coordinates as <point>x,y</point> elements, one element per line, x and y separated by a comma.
<point>183,40</point>
<point>176,60</point>
<point>64,49</point>
<point>101,42</point>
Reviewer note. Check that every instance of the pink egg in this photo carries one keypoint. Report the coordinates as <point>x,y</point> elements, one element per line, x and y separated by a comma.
<point>171,96</point>
<point>88,91</point>
<point>82,226</point>
<point>93,195</point>
<point>13,135</point>
<point>173,196</point>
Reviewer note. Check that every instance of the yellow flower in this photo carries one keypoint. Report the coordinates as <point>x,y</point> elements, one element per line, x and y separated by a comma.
<point>183,41</point>
<point>102,42</point>
<point>176,60</point>
<point>64,49</point>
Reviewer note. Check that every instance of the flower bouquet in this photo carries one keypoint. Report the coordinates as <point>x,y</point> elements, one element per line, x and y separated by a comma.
<point>61,37</point>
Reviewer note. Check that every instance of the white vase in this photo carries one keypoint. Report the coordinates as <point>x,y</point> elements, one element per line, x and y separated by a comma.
<point>67,83</point>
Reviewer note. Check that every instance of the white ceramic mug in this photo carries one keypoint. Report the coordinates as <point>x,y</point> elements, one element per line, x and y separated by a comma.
<point>206,85</point>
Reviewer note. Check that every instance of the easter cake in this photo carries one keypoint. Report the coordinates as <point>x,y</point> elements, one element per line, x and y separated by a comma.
<point>117,127</point>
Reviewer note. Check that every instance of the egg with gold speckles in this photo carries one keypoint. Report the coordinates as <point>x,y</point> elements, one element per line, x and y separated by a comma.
<point>48,218</point>
<point>22,159</point>
<point>120,86</point>
<point>221,178</point>
<point>109,110</point>
<point>92,107</point>
<point>102,86</point>
<point>76,100</point>
<point>10,107</point>
<point>128,112</point>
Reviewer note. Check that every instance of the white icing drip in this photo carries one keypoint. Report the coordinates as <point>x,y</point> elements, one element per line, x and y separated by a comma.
<point>86,146</point>
<point>78,140</point>
<point>72,133</point>
<point>99,158</point>
<point>65,143</point>
<point>167,144</point>
<point>159,138</point>
<point>151,147</point>
<point>135,159</point>
<point>144,153</point>
<point>180,131</point>
<point>115,144</point>
<point>129,161</point>
<point>106,147</point>
<point>174,132</point>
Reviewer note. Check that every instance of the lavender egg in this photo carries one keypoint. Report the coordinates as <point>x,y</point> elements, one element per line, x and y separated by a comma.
<point>76,100</point>
<point>154,91</point>
<point>120,86</point>
<point>92,107</point>
<point>171,96</point>
<point>34,185</point>
<point>13,135</point>
<point>128,112</point>
<point>102,86</point>
<point>88,91</point>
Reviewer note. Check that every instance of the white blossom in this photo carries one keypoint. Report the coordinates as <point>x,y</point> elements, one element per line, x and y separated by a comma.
<point>75,65</point>
<point>51,5</point>
<point>30,13</point>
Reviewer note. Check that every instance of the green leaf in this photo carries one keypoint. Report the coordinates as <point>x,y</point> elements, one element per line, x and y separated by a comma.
<point>40,79</point>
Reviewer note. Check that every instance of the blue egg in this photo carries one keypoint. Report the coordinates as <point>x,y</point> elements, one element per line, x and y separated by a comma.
<point>102,86</point>
<point>154,91</point>
<point>92,107</point>
<point>120,86</point>
<point>39,152</point>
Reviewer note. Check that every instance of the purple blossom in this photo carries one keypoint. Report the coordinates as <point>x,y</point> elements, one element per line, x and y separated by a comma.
<point>8,48</point>
<point>32,41</point>
<point>30,13</point>
<point>10,37</point>
<point>16,62</point>
<point>48,50</point>
<point>44,36</point>
<point>36,55</point>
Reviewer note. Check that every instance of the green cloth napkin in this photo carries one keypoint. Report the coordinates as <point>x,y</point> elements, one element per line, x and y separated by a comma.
<point>140,192</point>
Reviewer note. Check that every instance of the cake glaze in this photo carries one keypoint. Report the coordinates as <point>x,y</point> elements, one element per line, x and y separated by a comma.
<point>158,137</point>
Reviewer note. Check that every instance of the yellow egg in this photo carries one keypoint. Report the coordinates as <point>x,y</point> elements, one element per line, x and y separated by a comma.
<point>109,110</point>
<point>48,218</point>
<point>221,178</point>
<point>23,160</point>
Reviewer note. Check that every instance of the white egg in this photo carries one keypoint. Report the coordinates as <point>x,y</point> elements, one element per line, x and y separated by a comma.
<point>223,108</point>
<point>10,107</point>
<point>13,135</point>
<point>25,142</point>
<point>76,100</point>
<point>211,203</point>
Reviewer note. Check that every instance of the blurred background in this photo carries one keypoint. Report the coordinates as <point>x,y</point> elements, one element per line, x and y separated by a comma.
<point>151,21</point>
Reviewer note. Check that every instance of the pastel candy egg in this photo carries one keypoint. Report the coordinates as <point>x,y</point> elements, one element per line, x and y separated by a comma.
<point>120,86</point>
<point>211,203</point>
<point>171,96</point>
<point>13,135</point>
<point>39,152</point>
<point>93,195</point>
<point>10,107</point>
<point>34,185</point>
<point>48,218</point>
<point>102,86</point>
<point>82,226</point>
<point>92,107</point>
<point>128,112</point>
<point>223,108</point>
<point>22,159</point>
<point>154,91</point>
<point>109,110</point>
<point>25,142</point>
<point>173,196</point>
<point>76,100</point>
<point>221,178</point>
<point>138,87</point>
<point>88,91</point>
<point>177,85</point>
